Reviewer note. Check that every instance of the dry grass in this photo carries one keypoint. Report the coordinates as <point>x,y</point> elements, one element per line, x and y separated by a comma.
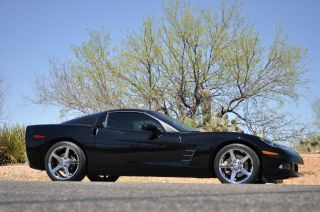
<point>12,145</point>
<point>310,174</point>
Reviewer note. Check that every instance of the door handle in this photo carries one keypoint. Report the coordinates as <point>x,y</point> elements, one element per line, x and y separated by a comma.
<point>95,131</point>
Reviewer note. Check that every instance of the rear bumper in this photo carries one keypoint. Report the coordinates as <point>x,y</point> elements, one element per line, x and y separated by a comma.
<point>35,159</point>
<point>34,150</point>
<point>284,166</point>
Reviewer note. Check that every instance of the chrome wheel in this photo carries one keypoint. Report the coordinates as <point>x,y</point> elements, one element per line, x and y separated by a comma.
<point>236,165</point>
<point>63,162</point>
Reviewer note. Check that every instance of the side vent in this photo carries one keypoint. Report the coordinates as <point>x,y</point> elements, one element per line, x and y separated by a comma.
<point>187,154</point>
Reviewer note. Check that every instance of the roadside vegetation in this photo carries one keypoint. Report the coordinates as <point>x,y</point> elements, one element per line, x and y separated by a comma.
<point>12,138</point>
<point>311,144</point>
<point>12,145</point>
<point>2,95</point>
<point>311,141</point>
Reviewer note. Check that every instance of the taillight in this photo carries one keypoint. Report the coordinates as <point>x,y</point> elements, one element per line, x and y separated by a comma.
<point>38,136</point>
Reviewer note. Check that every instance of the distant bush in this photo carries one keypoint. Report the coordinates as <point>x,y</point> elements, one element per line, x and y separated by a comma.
<point>12,145</point>
<point>220,123</point>
<point>311,144</point>
<point>216,123</point>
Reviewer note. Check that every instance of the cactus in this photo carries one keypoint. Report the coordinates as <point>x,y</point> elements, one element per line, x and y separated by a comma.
<point>217,123</point>
<point>220,123</point>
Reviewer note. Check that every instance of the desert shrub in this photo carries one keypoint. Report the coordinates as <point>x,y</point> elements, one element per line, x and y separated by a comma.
<point>12,145</point>
<point>310,144</point>
<point>220,123</point>
<point>216,123</point>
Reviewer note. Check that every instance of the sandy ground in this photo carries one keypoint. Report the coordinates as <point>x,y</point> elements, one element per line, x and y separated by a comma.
<point>310,174</point>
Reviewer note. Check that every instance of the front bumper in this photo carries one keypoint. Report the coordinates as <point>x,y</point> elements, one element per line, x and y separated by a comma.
<point>283,166</point>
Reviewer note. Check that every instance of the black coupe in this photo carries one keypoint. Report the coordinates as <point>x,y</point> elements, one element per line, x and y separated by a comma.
<point>132,142</point>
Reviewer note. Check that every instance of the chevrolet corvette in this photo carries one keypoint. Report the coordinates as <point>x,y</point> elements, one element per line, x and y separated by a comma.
<point>134,142</point>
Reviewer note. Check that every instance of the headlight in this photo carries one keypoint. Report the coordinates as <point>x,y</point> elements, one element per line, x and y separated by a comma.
<point>274,144</point>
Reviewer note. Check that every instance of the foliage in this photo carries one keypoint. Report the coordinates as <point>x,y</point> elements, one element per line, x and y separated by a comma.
<point>12,145</point>
<point>217,123</point>
<point>316,109</point>
<point>188,64</point>
<point>86,84</point>
<point>222,124</point>
<point>310,144</point>
<point>2,94</point>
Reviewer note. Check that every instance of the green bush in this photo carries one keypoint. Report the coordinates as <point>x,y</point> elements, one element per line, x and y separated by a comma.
<point>310,144</point>
<point>220,123</point>
<point>12,145</point>
<point>216,123</point>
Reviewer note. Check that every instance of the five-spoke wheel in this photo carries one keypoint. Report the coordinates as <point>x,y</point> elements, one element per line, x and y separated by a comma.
<point>236,163</point>
<point>65,161</point>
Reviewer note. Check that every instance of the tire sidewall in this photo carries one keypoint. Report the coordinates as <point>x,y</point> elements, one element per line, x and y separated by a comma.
<point>81,172</point>
<point>106,178</point>
<point>251,152</point>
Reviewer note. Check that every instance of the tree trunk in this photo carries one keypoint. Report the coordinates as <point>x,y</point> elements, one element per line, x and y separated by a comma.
<point>206,107</point>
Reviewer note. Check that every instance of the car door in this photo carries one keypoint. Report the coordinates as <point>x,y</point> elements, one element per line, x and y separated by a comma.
<point>125,147</point>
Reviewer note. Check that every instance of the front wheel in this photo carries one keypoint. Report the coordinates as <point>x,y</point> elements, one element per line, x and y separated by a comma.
<point>237,164</point>
<point>65,161</point>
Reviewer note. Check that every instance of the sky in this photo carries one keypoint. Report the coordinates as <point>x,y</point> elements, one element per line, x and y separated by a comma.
<point>33,31</point>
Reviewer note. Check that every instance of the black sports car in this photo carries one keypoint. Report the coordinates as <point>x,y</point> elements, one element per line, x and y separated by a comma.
<point>133,142</point>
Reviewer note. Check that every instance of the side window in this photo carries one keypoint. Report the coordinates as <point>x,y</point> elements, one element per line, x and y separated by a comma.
<point>131,121</point>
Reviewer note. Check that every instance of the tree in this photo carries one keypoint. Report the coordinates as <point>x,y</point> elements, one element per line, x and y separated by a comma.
<point>85,84</point>
<point>2,95</point>
<point>138,67</point>
<point>259,79</point>
<point>216,61</point>
<point>190,64</point>
<point>316,109</point>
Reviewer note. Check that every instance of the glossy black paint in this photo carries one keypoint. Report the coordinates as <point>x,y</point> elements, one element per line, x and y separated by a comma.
<point>139,153</point>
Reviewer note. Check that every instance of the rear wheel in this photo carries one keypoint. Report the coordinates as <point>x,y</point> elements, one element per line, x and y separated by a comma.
<point>237,164</point>
<point>65,161</point>
<point>102,178</point>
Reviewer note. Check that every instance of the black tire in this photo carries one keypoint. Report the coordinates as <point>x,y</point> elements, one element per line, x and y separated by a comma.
<point>259,181</point>
<point>79,172</point>
<point>239,151</point>
<point>102,178</point>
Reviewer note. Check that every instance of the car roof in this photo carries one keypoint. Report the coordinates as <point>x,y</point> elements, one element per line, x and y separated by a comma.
<point>130,110</point>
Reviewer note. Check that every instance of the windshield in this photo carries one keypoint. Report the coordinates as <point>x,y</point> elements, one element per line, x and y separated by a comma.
<point>173,122</point>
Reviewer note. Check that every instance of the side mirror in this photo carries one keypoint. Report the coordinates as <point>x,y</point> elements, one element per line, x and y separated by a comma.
<point>155,131</point>
<point>149,127</point>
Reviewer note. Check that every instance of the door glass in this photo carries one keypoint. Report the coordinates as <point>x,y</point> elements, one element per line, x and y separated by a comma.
<point>131,121</point>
